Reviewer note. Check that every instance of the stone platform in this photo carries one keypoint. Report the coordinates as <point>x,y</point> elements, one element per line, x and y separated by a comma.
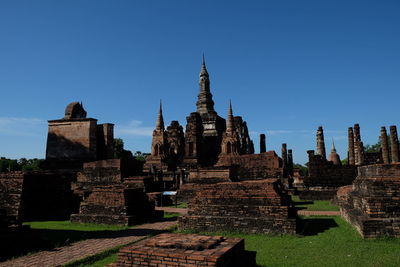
<point>250,207</point>
<point>186,250</point>
<point>372,203</point>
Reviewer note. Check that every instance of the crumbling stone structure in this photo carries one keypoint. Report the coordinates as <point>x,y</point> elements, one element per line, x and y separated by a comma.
<point>249,206</point>
<point>186,250</point>
<point>75,139</point>
<point>111,195</point>
<point>372,203</point>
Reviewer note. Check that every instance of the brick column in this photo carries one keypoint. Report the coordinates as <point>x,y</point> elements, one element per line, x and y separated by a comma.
<point>350,155</point>
<point>290,162</point>
<point>284,160</point>
<point>358,146</point>
<point>384,146</point>
<point>321,143</point>
<point>263,147</point>
<point>394,143</point>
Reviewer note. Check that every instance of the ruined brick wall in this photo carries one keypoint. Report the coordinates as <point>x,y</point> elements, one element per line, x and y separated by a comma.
<point>372,203</point>
<point>31,196</point>
<point>250,207</point>
<point>254,166</point>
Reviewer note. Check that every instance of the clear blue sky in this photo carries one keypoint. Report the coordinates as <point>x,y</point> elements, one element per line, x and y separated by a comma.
<point>288,66</point>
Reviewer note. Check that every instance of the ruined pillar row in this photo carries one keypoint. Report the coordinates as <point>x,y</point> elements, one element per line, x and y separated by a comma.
<point>394,143</point>
<point>350,156</point>
<point>263,147</point>
<point>321,143</point>
<point>384,146</point>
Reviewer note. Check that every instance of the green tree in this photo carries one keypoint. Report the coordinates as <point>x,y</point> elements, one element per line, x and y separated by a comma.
<point>303,169</point>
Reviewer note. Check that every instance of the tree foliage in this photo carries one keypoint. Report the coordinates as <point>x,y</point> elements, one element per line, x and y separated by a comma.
<point>303,169</point>
<point>23,164</point>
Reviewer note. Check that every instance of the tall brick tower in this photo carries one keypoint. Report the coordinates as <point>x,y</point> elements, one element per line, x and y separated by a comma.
<point>213,125</point>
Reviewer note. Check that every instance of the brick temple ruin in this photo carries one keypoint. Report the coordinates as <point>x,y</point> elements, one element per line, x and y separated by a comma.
<point>218,153</point>
<point>327,175</point>
<point>211,141</point>
<point>372,203</point>
<point>207,135</point>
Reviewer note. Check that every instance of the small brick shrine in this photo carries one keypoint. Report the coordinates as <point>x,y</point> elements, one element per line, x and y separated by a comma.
<point>250,206</point>
<point>117,205</point>
<point>372,203</point>
<point>186,250</point>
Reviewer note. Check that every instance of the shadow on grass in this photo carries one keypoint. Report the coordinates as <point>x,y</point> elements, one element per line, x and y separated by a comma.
<point>303,202</point>
<point>19,242</point>
<point>314,226</point>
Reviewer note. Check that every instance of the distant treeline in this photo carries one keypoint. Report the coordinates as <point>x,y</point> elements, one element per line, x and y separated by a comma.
<point>23,164</point>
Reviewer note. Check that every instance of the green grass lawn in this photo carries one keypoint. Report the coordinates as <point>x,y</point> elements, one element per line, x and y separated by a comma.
<point>320,205</point>
<point>325,241</point>
<point>182,205</point>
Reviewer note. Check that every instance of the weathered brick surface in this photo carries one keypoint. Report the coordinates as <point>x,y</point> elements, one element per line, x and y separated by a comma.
<point>250,206</point>
<point>325,178</point>
<point>214,175</point>
<point>254,166</point>
<point>116,205</point>
<point>186,250</point>
<point>372,203</point>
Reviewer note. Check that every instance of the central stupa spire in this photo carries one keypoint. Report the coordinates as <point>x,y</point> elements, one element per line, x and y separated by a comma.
<point>205,104</point>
